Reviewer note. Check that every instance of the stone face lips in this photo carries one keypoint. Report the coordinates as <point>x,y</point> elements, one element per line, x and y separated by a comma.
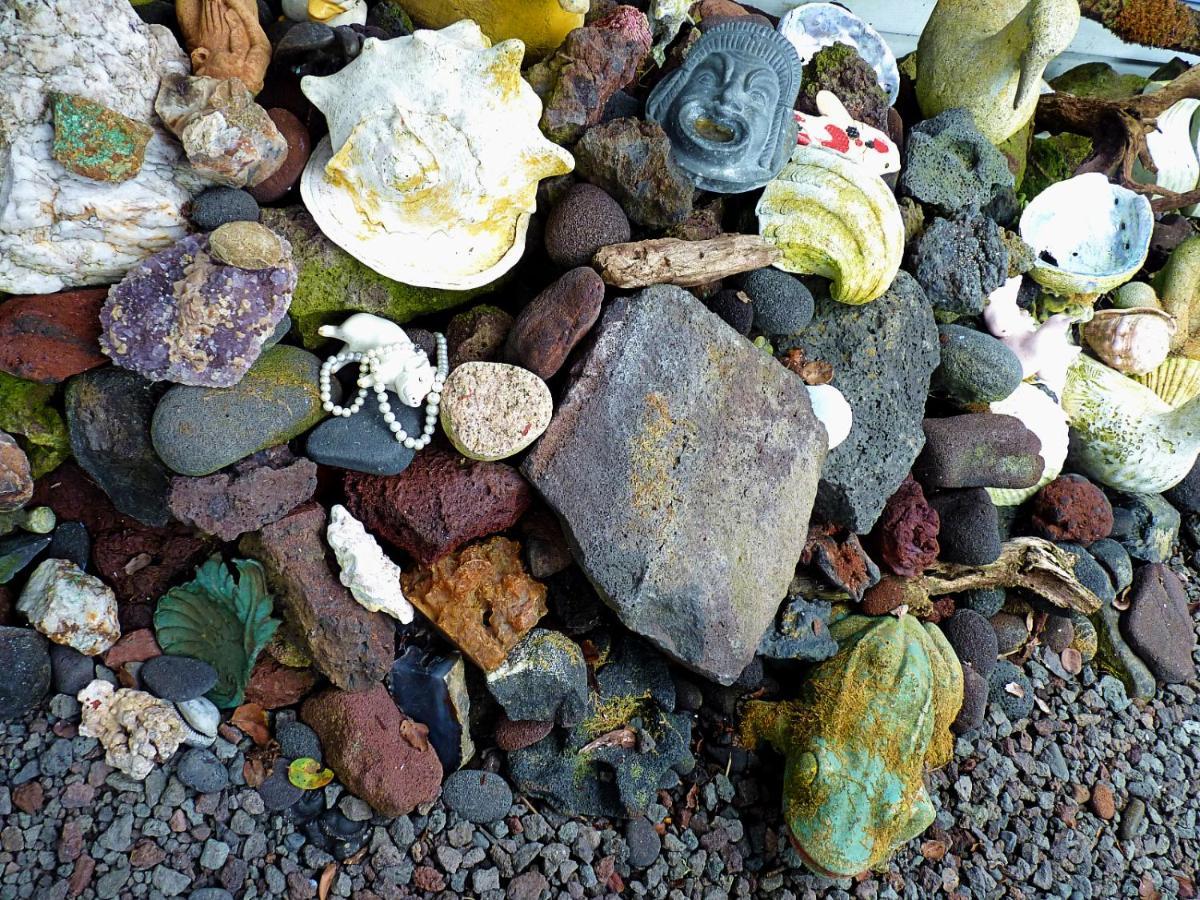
<point>351,647</point>
<point>683,463</point>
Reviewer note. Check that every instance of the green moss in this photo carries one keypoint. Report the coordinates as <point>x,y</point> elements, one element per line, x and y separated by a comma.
<point>615,713</point>
<point>25,412</point>
<point>1052,160</point>
<point>1100,81</point>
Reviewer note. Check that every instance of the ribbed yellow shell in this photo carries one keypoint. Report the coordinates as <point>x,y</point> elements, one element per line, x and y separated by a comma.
<point>1176,381</point>
<point>832,217</point>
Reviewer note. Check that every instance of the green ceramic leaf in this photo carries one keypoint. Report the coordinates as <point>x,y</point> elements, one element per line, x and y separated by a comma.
<point>223,622</point>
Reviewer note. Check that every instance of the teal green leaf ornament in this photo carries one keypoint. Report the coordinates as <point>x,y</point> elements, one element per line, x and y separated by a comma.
<point>223,622</point>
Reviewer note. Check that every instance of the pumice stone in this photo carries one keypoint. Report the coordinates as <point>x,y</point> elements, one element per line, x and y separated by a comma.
<point>728,108</point>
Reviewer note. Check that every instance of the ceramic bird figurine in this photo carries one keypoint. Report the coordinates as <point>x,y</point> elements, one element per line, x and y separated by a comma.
<point>1123,434</point>
<point>328,12</point>
<point>989,56</point>
<point>1044,350</point>
<point>540,24</point>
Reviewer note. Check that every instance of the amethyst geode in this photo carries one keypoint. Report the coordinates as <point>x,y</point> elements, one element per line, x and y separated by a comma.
<point>185,316</point>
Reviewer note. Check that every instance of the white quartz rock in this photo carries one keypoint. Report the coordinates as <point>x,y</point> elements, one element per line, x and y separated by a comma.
<point>59,229</point>
<point>71,607</point>
<point>372,578</point>
<point>137,730</point>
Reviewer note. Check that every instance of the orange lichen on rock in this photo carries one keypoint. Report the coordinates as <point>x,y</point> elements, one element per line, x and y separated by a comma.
<point>1155,23</point>
<point>481,598</point>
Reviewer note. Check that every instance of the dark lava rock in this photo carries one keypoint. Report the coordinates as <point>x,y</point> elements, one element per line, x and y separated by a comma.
<point>686,556</point>
<point>959,262</point>
<point>1159,626</point>
<point>985,601</point>
<point>218,206</point>
<point>70,541</point>
<point>970,531</point>
<point>26,671</point>
<point>258,491</point>
<point>839,69</point>
<point>951,166</point>
<point>177,677</point>
<point>1185,496</point>
<point>882,354</point>
<point>801,633</point>
<point>50,337</point>
<point>71,669</point>
<point>1115,656</point>
<point>277,792</point>
<point>979,450</point>
<point>976,368</point>
<point>298,741</point>
<point>1146,525</point>
<point>350,646</point>
<point>643,841</point>
<point>973,639</point>
<point>1011,690</point>
<point>202,771</point>
<point>108,414</point>
<point>479,797</point>
<point>1058,633</point>
<point>574,601</point>
<point>439,503</point>
<point>1071,508</point>
<point>974,705</point>
<point>1090,573</point>
<point>544,679</point>
<point>584,220</point>
<point>1115,560</point>
<point>1011,632</point>
<point>782,304</point>
<point>363,442</point>
<point>906,533</point>
<point>431,689</point>
<point>630,159</point>
<point>550,326</point>
<point>18,551</point>
<point>734,307</point>
<point>478,334</point>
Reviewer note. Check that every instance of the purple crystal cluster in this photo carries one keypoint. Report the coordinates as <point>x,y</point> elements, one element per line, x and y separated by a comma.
<point>184,316</point>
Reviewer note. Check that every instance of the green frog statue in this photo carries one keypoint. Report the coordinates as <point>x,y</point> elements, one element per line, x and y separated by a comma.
<point>857,740</point>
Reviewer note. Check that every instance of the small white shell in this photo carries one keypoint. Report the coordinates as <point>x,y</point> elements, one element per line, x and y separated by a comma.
<point>373,579</point>
<point>1089,235</point>
<point>1134,341</point>
<point>830,406</point>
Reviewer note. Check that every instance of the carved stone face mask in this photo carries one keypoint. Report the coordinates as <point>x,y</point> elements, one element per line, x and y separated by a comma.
<point>728,109</point>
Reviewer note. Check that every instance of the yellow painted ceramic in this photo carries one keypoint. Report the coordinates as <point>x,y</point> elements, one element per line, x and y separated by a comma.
<point>541,24</point>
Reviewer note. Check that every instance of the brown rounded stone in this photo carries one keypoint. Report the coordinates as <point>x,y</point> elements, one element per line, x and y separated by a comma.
<point>548,329</point>
<point>50,337</point>
<point>16,478</point>
<point>512,735</point>
<point>135,646</point>
<point>583,221</point>
<point>1071,508</point>
<point>1103,803</point>
<point>274,685</point>
<point>299,146</point>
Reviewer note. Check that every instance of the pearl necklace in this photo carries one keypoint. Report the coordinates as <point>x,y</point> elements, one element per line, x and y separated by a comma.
<point>370,364</point>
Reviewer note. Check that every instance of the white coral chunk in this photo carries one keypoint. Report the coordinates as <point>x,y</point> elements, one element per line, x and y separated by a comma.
<point>373,579</point>
<point>137,730</point>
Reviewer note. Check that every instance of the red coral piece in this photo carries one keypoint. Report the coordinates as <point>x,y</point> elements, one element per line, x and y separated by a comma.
<point>907,532</point>
<point>1071,508</point>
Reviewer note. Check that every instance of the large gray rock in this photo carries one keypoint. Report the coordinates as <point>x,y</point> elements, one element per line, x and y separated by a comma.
<point>883,354</point>
<point>683,463</point>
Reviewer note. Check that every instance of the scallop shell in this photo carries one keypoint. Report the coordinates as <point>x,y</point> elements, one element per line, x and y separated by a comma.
<point>1045,418</point>
<point>814,26</point>
<point>1088,235</point>
<point>831,217</point>
<point>1176,381</point>
<point>1134,341</point>
<point>429,174</point>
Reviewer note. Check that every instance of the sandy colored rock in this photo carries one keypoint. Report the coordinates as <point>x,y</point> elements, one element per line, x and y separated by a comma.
<point>16,480</point>
<point>491,411</point>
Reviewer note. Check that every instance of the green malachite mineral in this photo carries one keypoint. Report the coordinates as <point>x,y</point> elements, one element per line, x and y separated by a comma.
<point>97,142</point>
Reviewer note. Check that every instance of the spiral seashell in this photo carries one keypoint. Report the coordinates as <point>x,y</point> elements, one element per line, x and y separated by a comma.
<point>1176,381</point>
<point>833,218</point>
<point>1134,341</point>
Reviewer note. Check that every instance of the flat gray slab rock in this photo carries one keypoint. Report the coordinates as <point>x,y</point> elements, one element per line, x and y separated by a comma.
<point>683,463</point>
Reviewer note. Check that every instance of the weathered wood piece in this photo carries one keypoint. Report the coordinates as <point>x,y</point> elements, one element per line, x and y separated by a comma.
<point>685,263</point>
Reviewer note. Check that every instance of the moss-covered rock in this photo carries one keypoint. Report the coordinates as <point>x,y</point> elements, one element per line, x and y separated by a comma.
<point>1099,80</point>
<point>26,413</point>
<point>1051,160</point>
<point>839,68</point>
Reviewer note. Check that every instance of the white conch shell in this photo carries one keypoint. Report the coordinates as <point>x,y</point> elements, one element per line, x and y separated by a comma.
<point>1045,418</point>
<point>1134,341</point>
<point>1173,149</point>
<point>429,174</point>
<point>833,218</point>
<point>406,371</point>
<point>1044,350</point>
<point>834,130</point>
<point>830,406</point>
<point>1089,236</point>
<point>373,579</point>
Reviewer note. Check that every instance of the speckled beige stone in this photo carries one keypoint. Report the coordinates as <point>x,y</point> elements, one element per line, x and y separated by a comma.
<point>492,410</point>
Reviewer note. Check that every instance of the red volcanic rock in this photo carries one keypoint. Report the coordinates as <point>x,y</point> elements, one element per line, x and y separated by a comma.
<point>1071,508</point>
<point>136,646</point>
<point>376,751</point>
<point>518,735</point>
<point>906,534</point>
<point>50,337</point>
<point>274,685</point>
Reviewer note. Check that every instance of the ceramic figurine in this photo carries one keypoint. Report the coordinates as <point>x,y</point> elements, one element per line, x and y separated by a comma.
<point>835,131</point>
<point>728,108</point>
<point>225,40</point>
<point>857,741</point>
<point>1041,414</point>
<point>833,218</point>
<point>814,26</point>
<point>540,24</point>
<point>388,360</point>
<point>373,579</point>
<point>1044,350</point>
<point>1124,435</point>
<point>1089,236</point>
<point>328,12</point>
<point>830,406</point>
<point>989,55</point>
<point>1133,341</point>
<point>429,173</point>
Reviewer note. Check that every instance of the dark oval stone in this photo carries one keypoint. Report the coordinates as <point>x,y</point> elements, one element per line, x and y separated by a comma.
<point>219,206</point>
<point>202,771</point>
<point>644,843</point>
<point>476,796</point>
<point>178,677</point>
<point>302,39</point>
<point>299,144</point>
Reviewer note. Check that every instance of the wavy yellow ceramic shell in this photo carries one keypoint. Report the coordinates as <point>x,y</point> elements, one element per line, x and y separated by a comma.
<point>834,218</point>
<point>541,24</point>
<point>1176,381</point>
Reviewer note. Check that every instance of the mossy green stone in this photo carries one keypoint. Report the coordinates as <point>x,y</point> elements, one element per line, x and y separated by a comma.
<point>1100,81</point>
<point>25,412</point>
<point>198,430</point>
<point>331,283</point>
<point>1052,160</point>
<point>97,142</point>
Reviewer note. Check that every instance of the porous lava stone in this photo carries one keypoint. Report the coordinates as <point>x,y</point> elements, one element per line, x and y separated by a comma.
<point>583,221</point>
<point>970,532</point>
<point>907,533</point>
<point>1071,508</point>
<point>973,639</point>
<point>735,308</point>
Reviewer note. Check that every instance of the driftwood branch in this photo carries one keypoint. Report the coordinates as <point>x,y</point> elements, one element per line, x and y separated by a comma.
<point>685,263</point>
<point>1118,130</point>
<point>1168,24</point>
